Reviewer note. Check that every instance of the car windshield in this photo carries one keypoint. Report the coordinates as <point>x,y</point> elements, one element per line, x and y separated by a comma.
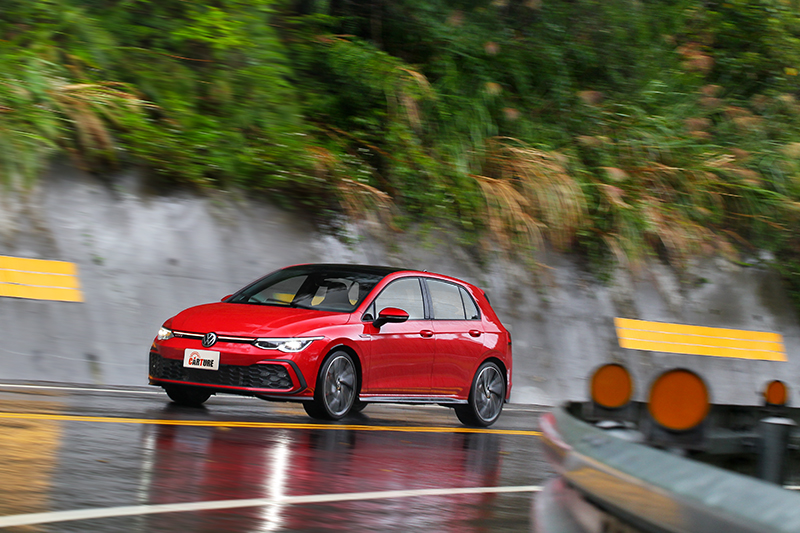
<point>323,287</point>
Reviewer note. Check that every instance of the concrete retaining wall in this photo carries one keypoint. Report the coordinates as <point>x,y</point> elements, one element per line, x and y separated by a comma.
<point>144,256</point>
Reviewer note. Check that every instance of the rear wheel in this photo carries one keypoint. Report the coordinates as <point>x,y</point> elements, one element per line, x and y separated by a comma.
<point>337,388</point>
<point>486,397</point>
<point>188,396</point>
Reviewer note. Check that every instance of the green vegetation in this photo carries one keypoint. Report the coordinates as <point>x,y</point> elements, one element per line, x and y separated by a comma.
<point>617,128</point>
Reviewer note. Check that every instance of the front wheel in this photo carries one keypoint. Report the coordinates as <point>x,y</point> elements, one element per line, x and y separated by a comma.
<point>486,397</point>
<point>337,388</point>
<point>187,396</point>
<point>358,406</point>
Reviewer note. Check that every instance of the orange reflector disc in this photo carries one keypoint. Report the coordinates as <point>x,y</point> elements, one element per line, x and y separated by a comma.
<point>776,393</point>
<point>612,386</point>
<point>678,400</point>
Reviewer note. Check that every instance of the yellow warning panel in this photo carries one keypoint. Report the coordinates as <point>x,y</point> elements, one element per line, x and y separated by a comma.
<point>699,340</point>
<point>38,279</point>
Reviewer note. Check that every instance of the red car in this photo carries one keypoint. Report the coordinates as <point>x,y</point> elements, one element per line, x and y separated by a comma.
<point>338,337</point>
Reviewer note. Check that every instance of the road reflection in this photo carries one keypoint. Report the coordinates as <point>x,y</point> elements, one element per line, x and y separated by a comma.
<point>29,456</point>
<point>205,464</point>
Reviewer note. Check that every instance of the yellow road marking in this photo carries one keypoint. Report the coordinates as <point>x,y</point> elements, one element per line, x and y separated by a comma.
<point>699,340</point>
<point>38,279</point>
<point>262,425</point>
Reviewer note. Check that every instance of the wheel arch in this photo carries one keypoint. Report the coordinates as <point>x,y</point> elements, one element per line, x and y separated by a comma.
<point>503,369</point>
<point>356,360</point>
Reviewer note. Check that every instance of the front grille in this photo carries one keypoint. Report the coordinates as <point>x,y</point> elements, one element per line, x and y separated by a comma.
<point>263,376</point>
<point>220,338</point>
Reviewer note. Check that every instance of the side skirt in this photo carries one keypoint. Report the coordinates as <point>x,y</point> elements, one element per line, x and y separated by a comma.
<point>441,400</point>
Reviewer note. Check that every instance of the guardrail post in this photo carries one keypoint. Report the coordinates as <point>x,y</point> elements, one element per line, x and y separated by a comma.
<point>774,448</point>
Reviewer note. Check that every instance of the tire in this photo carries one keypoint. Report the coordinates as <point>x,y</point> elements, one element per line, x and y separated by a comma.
<point>486,397</point>
<point>358,406</point>
<point>187,396</point>
<point>337,388</point>
<point>313,410</point>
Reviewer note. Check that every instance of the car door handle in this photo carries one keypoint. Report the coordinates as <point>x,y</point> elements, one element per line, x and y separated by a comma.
<point>426,333</point>
<point>475,333</point>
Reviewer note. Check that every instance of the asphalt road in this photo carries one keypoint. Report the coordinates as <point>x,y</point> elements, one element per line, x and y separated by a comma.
<point>83,459</point>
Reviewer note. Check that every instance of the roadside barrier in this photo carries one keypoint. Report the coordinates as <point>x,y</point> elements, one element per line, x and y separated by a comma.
<point>38,279</point>
<point>615,484</point>
<point>650,466</point>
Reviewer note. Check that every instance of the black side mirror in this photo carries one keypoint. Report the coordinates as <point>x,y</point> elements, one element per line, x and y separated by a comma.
<point>390,314</point>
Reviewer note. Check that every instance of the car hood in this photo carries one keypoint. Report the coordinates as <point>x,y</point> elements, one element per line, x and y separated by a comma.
<point>248,320</point>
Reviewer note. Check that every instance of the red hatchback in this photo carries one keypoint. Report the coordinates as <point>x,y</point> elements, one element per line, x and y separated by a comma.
<point>338,337</point>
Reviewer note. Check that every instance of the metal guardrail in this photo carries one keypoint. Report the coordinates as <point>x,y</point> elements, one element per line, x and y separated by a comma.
<point>609,483</point>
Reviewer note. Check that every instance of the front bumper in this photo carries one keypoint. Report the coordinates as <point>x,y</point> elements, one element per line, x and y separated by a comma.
<point>267,377</point>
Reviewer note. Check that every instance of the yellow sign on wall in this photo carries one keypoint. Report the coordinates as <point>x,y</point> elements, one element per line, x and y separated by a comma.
<point>699,340</point>
<point>38,279</point>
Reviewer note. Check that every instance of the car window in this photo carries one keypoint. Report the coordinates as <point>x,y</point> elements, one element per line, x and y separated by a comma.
<point>446,299</point>
<point>337,289</point>
<point>470,306</point>
<point>282,292</point>
<point>405,294</point>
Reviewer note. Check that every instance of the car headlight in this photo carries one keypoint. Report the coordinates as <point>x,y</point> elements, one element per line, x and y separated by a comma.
<point>164,334</point>
<point>293,345</point>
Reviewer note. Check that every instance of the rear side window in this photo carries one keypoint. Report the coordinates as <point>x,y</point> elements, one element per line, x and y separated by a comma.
<point>470,307</point>
<point>447,301</point>
<point>405,294</point>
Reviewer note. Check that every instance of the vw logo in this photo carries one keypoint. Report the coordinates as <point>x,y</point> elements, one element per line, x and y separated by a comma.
<point>209,339</point>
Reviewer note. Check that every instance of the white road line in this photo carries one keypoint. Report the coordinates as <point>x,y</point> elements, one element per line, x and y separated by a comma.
<point>78,389</point>
<point>138,510</point>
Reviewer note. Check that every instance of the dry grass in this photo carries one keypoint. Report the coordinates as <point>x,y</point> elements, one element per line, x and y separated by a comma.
<point>90,106</point>
<point>414,86</point>
<point>358,200</point>
<point>529,195</point>
<point>654,204</point>
<point>680,236</point>
<point>508,213</point>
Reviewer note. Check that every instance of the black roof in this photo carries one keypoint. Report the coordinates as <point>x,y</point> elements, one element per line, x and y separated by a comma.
<point>362,269</point>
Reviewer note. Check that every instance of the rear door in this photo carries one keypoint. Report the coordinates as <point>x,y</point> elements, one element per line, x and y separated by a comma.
<point>459,337</point>
<point>401,355</point>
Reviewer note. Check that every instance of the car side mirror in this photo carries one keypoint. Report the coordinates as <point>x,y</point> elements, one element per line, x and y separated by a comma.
<point>390,314</point>
<point>226,297</point>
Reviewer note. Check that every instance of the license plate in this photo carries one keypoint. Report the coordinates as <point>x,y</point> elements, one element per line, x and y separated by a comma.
<point>203,359</point>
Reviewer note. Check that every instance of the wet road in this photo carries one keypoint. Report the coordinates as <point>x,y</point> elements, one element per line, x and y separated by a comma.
<point>128,460</point>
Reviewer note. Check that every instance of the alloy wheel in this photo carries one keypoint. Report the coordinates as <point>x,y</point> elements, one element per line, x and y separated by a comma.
<point>489,393</point>
<point>339,385</point>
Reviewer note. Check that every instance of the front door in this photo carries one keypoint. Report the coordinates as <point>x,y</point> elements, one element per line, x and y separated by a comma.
<point>401,355</point>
